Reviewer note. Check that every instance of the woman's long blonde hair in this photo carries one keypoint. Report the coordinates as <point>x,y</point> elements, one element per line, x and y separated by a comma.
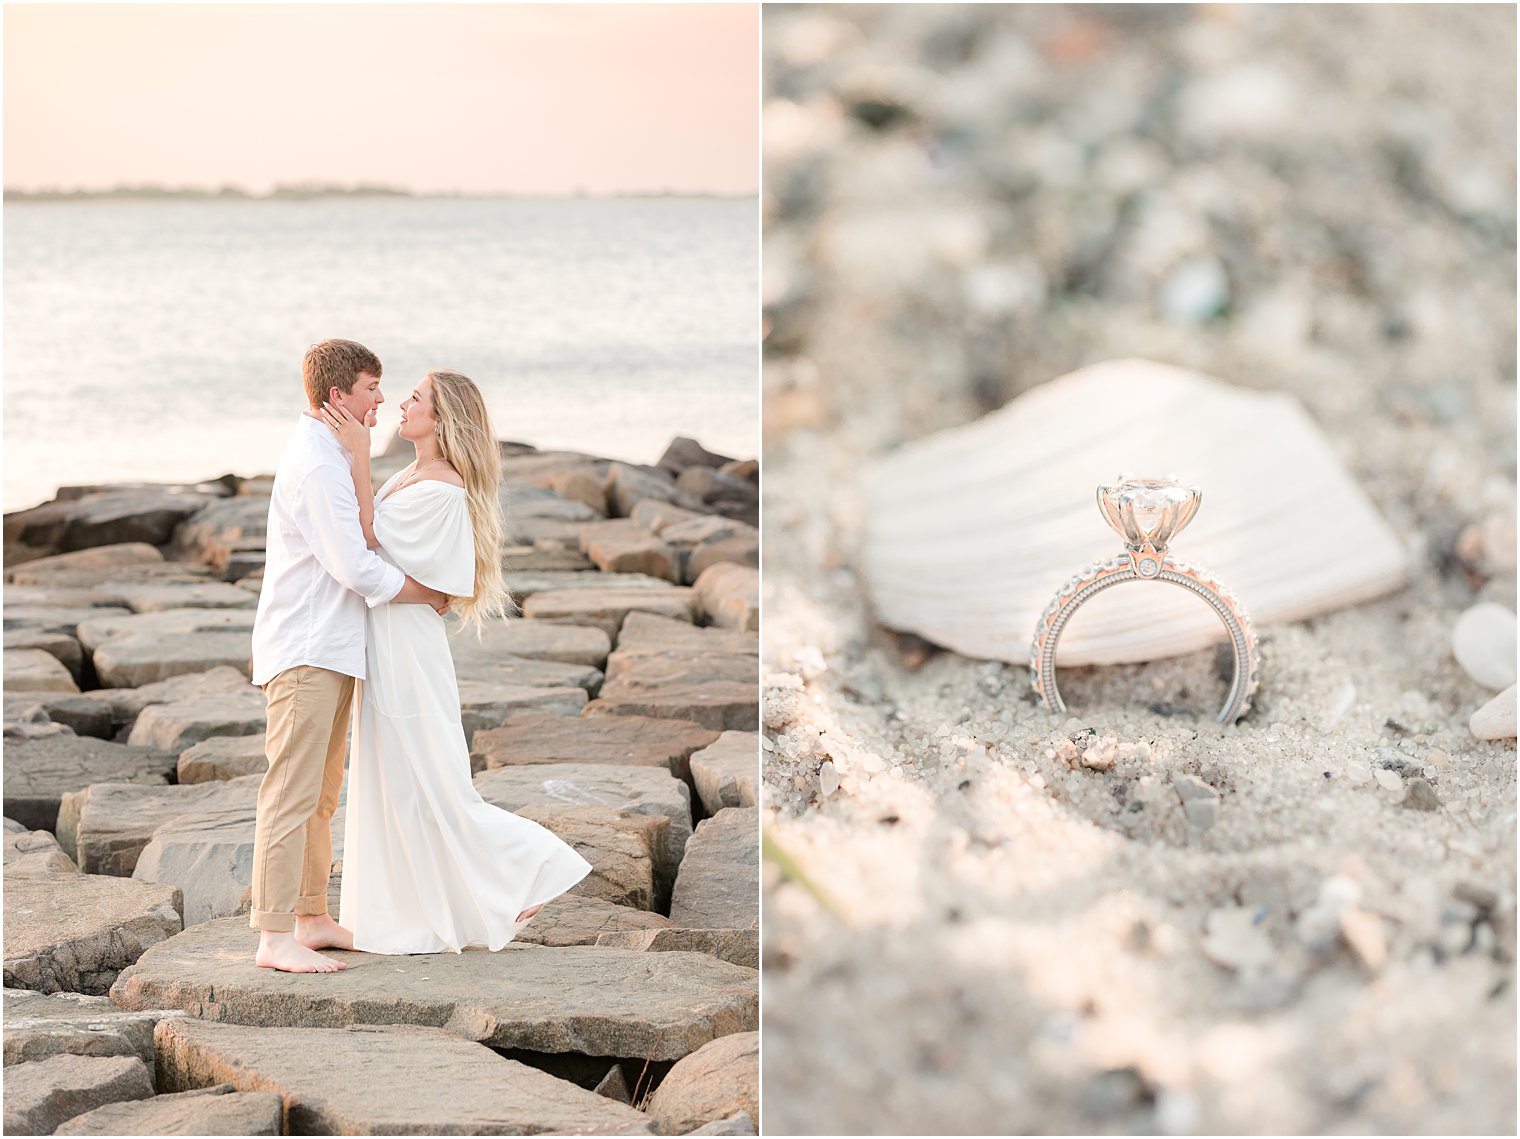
<point>469,444</point>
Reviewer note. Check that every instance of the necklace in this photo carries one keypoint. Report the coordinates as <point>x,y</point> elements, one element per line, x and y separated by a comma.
<point>411,478</point>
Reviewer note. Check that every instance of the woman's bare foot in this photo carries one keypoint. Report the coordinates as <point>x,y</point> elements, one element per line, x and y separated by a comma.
<point>282,951</point>
<point>319,931</point>
<point>526,914</point>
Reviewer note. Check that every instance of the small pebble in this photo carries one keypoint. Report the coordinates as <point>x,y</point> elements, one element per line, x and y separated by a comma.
<point>828,777</point>
<point>1421,796</point>
<point>1234,939</point>
<point>1387,779</point>
<point>1363,934</point>
<point>1483,641</point>
<point>1496,719</point>
<point>1195,291</point>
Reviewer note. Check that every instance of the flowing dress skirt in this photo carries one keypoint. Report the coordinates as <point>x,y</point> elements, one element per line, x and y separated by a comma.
<point>428,865</point>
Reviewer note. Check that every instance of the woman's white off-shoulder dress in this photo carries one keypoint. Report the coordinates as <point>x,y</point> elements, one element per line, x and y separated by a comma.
<point>428,865</point>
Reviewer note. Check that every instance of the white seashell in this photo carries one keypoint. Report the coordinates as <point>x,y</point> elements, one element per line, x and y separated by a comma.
<point>970,532</point>
<point>1483,641</point>
<point>1496,719</point>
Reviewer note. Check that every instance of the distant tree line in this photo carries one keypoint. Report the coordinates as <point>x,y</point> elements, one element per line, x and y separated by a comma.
<point>293,192</point>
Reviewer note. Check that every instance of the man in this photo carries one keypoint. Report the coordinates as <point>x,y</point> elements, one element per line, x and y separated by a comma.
<point>308,649</point>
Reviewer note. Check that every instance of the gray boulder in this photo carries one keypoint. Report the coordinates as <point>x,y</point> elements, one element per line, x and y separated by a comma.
<point>641,790</point>
<point>217,1110</point>
<point>725,773</point>
<point>718,886</point>
<point>366,1079</point>
<point>40,772</point>
<point>39,1025</point>
<point>178,726</point>
<point>41,1095</point>
<point>596,1002</point>
<point>105,827</point>
<point>76,932</point>
<point>36,670</point>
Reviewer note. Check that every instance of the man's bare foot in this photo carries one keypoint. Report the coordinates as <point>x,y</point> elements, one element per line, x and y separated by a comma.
<point>319,931</point>
<point>282,951</point>
<point>526,914</point>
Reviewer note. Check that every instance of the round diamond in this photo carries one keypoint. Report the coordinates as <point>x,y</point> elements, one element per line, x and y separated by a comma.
<point>1148,567</point>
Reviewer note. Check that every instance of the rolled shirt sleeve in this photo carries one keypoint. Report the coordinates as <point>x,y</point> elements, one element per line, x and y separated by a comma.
<point>327,514</point>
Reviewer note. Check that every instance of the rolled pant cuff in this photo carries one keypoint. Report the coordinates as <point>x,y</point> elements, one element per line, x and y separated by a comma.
<point>311,905</point>
<point>272,921</point>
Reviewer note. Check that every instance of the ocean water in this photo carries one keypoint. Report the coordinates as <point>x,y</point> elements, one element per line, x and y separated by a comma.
<point>162,341</point>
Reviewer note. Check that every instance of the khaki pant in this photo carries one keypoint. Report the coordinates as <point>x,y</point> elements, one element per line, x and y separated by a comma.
<point>292,843</point>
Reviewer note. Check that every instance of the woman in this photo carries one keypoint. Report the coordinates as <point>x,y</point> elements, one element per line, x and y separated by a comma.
<point>428,864</point>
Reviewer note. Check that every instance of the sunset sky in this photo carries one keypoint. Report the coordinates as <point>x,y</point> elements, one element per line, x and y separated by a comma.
<point>473,98</point>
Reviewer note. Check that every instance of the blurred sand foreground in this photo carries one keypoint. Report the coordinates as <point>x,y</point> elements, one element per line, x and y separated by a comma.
<point>962,202</point>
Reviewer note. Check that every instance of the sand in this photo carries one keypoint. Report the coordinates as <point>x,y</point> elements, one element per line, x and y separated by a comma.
<point>961,203</point>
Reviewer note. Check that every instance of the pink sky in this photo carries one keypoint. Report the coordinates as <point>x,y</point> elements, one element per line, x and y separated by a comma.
<point>478,98</point>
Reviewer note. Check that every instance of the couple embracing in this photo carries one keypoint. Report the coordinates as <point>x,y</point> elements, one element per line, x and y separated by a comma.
<point>350,628</point>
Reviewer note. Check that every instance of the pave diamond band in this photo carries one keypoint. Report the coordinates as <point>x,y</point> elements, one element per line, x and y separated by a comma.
<point>1147,513</point>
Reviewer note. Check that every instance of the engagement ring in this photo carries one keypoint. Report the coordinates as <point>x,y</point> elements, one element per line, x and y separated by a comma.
<point>1147,514</point>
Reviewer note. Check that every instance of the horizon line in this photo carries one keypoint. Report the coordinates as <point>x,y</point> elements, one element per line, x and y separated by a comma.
<point>295,190</point>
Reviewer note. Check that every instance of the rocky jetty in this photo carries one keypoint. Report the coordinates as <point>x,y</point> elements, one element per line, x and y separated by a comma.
<point>617,711</point>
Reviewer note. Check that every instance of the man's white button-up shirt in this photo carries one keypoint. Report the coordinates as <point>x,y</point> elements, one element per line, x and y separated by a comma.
<point>318,573</point>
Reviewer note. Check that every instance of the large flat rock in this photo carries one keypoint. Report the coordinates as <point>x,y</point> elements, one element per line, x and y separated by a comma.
<point>621,846</point>
<point>98,558</point>
<point>725,772</point>
<point>35,854</point>
<point>534,640</point>
<point>36,670</point>
<point>226,757</point>
<point>78,712</point>
<point>217,1110</point>
<point>594,1001</point>
<point>488,704</point>
<point>59,645</point>
<point>538,738</point>
<point>621,545</point>
<point>544,502</point>
<point>109,581</point>
<point>105,827</point>
<point>40,772</point>
<point>145,658</point>
<point>108,517</point>
<point>544,581</point>
<point>157,596</point>
<point>209,857</point>
<point>481,664</point>
<point>40,1095</point>
<point>55,611</point>
<point>39,1025</point>
<point>126,704</point>
<point>76,932</point>
<point>720,704</point>
<point>650,631</point>
<point>545,554</point>
<point>574,919</point>
<point>370,1080</point>
<point>717,1081</point>
<point>718,886</point>
<point>97,630</point>
<point>641,790</point>
<point>628,485</point>
<point>736,946</point>
<point>179,725</point>
<point>650,668</point>
<point>606,608</point>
